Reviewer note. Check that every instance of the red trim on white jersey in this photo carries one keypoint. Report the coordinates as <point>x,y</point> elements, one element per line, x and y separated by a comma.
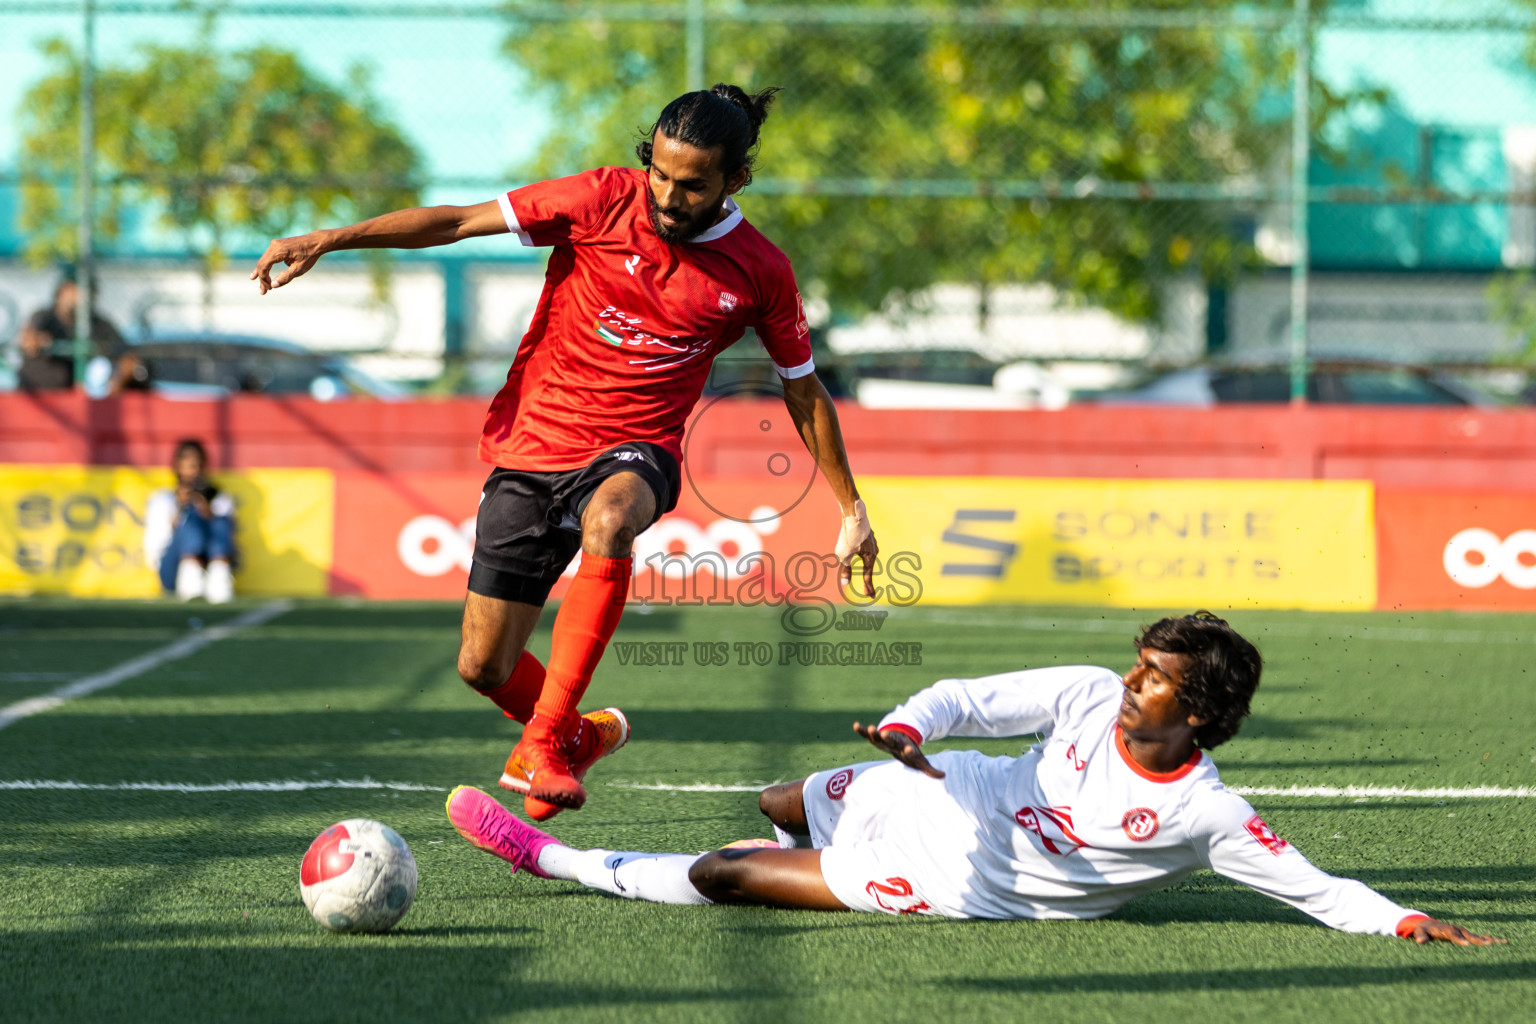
<point>1151,776</point>
<point>906,730</point>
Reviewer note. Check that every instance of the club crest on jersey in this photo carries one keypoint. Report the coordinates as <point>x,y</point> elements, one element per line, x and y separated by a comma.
<point>727,302</point>
<point>1140,824</point>
<point>1265,835</point>
<point>1054,827</point>
<point>837,785</point>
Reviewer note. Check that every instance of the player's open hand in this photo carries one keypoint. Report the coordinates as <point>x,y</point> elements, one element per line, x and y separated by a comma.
<point>856,539</point>
<point>1430,930</point>
<point>299,253</point>
<point>900,746</point>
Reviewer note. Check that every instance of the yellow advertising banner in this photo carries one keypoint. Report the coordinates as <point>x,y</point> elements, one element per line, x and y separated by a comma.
<point>80,530</point>
<point>1131,543</point>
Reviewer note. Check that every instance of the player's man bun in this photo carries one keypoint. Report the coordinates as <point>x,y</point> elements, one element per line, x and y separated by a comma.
<point>727,117</point>
<point>1223,671</point>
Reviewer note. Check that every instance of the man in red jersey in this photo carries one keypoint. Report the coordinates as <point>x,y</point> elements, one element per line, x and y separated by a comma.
<point>654,273</point>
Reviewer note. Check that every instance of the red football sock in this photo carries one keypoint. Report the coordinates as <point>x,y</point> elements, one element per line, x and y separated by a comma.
<point>586,621</point>
<point>517,695</point>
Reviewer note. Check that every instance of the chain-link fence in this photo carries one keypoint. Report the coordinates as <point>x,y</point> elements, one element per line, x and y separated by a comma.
<point>960,186</point>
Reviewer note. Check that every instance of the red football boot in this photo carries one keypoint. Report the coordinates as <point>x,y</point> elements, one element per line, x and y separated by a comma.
<point>598,734</point>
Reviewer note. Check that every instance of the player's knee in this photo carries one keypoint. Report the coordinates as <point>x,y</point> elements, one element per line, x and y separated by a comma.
<point>714,875</point>
<point>773,802</point>
<point>609,526</point>
<point>782,806</point>
<point>480,672</point>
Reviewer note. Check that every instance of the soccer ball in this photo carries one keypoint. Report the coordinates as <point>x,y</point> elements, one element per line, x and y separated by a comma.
<point>358,876</point>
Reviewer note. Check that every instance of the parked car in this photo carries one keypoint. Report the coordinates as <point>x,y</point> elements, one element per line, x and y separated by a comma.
<point>1329,382</point>
<point>193,365</point>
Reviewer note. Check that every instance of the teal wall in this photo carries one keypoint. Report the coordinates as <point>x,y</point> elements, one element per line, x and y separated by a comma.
<point>1453,95</point>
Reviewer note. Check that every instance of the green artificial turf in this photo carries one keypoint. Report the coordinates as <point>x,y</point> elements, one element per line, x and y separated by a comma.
<point>145,905</point>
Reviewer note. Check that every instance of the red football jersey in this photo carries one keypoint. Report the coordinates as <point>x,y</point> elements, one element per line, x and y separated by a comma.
<point>627,326</point>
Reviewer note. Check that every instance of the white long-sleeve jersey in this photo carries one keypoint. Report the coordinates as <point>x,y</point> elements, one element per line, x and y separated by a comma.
<point>1074,828</point>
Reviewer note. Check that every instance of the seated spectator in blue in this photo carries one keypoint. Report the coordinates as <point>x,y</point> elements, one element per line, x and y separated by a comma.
<point>189,532</point>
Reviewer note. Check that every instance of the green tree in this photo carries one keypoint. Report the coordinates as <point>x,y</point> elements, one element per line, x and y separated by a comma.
<point>224,146</point>
<point>912,104</point>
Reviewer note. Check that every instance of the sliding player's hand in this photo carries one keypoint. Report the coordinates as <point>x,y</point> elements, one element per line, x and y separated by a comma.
<point>1430,930</point>
<point>856,539</point>
<point>900,746</point>
<point>299,253</point>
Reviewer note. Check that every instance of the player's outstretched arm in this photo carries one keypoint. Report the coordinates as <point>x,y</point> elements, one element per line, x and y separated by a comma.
<point>1430,930</point>
<point>900,746</point>
<point>815,420</point>
<point>417,228</point>
<point>1236,843</point>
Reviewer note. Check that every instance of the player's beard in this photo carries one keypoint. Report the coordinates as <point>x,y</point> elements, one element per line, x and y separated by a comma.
<point>686,229</point>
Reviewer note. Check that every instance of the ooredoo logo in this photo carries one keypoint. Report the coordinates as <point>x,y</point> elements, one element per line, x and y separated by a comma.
<point>837,785</point>
<point>1140,824</point>
<point>1477,557</point>
<point>675,547</point>
<point>431,545</point>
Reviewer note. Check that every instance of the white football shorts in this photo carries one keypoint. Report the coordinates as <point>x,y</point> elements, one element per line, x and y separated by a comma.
<point>893,840</point>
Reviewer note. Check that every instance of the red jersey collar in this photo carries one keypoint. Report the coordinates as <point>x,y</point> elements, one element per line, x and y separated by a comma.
<point>1173,776</point>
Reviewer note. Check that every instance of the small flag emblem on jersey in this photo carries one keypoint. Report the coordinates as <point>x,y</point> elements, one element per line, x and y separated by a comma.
<point>728,301</point>
<point>609,336</point>
<point>1265,835</point>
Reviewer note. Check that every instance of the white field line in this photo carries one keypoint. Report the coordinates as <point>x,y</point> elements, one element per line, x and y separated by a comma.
<point>1386,792</point>
<point>189,644</point>
<point>300,785</point>
<point>279,786</point>
<point>1381,792</point>
<point>698,787</point>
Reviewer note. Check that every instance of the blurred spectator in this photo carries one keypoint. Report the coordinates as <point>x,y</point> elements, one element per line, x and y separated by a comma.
<point>189,531</point>
<point>46,366</point>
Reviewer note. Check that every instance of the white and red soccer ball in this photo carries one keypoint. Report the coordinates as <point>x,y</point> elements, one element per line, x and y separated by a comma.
<point>358,876</point>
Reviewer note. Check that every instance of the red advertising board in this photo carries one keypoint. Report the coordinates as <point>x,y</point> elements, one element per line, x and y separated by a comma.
<point>411,535</point>
<point>404,535</point>
<point>1449,550</point>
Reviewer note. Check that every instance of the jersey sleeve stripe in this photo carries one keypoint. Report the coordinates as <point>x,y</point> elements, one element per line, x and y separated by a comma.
<point>511,218</point>
<point>792,372</point>
<point>910,732</point>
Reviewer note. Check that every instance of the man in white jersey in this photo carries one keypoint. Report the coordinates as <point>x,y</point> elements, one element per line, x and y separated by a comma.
<point>1119,799</point>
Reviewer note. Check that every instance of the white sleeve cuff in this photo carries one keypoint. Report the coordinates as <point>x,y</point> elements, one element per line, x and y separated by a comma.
<point>792,372</point>
<point>511,219</point>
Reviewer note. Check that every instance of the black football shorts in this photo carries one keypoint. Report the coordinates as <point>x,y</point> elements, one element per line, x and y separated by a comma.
<point>529,525</point>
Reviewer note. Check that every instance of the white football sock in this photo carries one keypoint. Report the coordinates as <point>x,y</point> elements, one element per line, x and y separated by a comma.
<point>655,877</point>
<point>559,861</point>
<point>790,841</point>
